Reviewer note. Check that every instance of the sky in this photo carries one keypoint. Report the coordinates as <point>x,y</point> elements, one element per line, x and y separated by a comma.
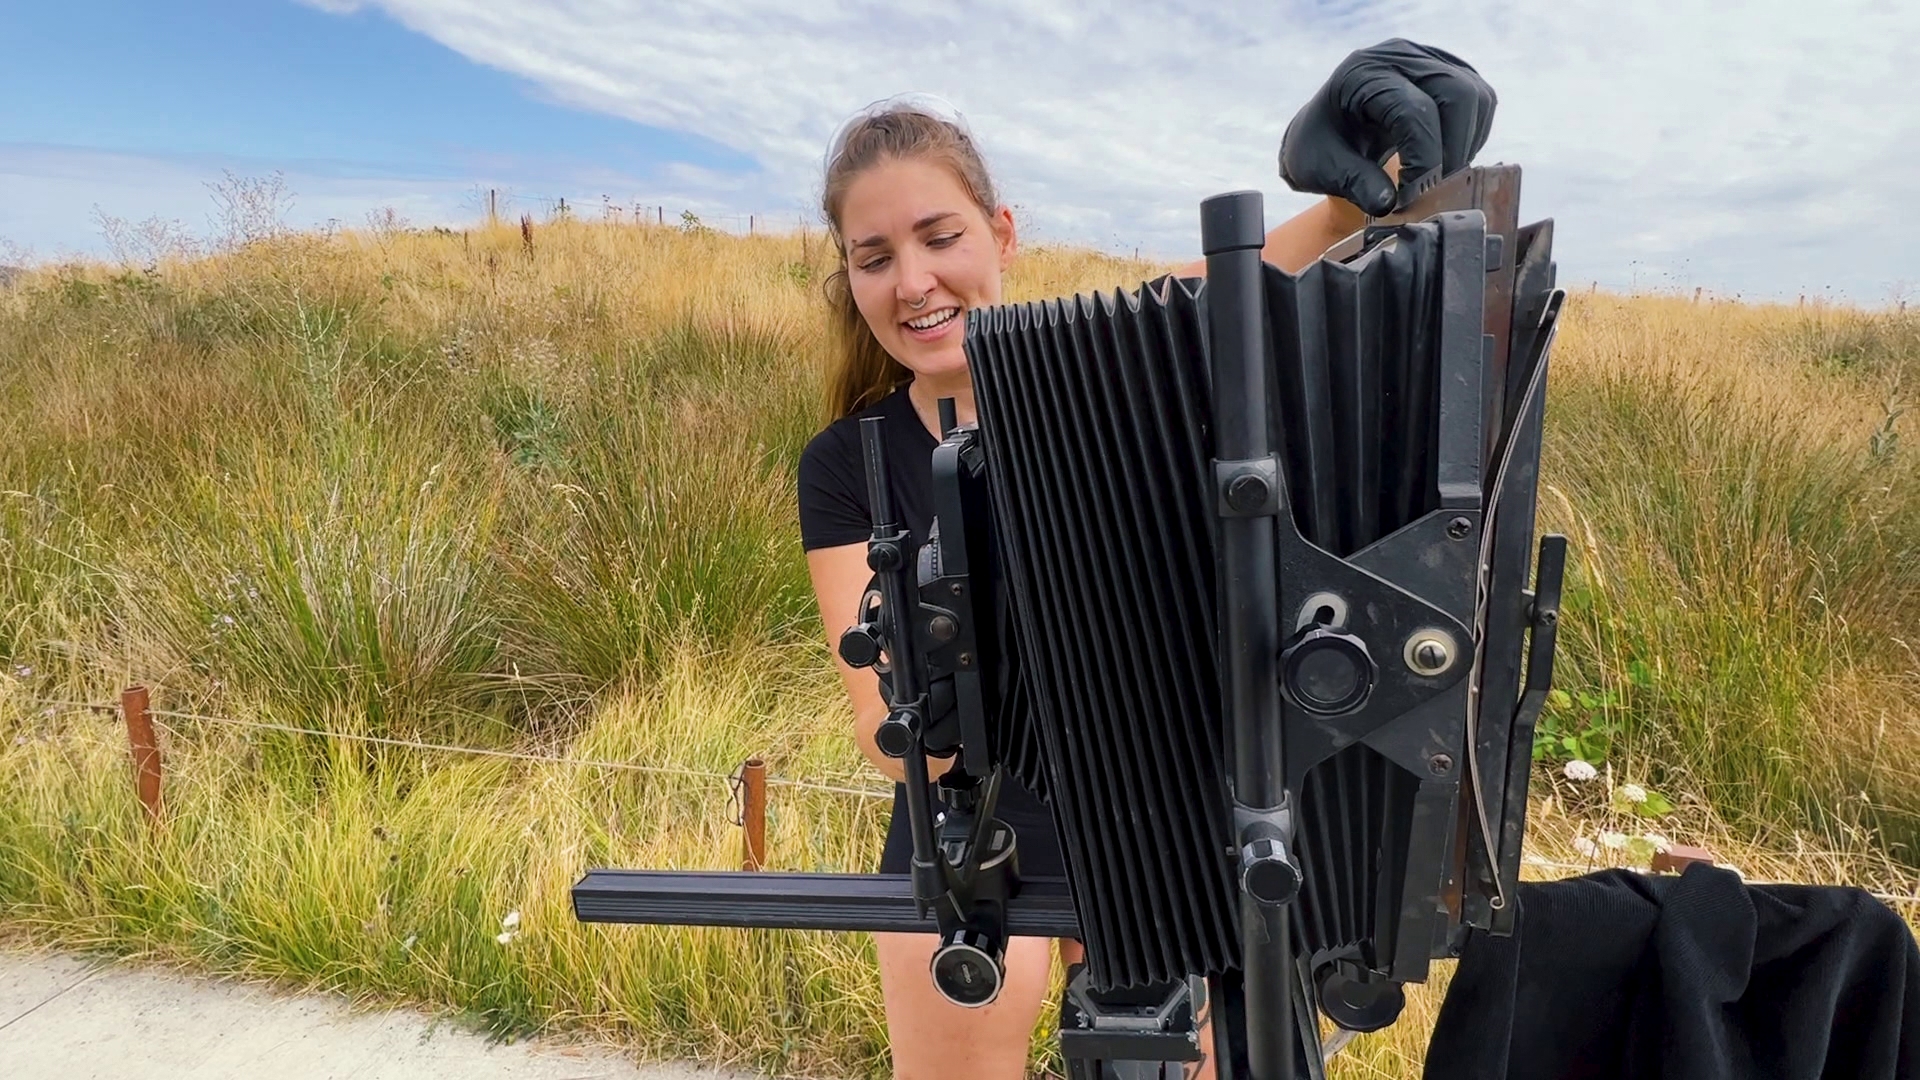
<point>1766,149</point>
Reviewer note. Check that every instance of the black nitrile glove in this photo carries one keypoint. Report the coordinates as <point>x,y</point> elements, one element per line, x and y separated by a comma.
<point>1423,103</point>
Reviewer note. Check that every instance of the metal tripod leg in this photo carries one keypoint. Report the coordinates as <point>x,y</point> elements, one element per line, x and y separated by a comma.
<point>1230,1025</point>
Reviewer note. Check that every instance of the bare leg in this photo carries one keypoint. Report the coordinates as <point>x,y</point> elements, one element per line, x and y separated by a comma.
<point>934,1039</point>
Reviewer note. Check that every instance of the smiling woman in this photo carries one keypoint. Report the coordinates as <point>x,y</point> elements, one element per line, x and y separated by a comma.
<point>921,259</point>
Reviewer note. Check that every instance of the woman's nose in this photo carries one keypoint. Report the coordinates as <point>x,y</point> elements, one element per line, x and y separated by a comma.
<point>916,278</point>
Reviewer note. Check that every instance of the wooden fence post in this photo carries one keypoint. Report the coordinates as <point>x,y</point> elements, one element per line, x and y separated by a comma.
<point>753,813</point>
<point>146,752</point>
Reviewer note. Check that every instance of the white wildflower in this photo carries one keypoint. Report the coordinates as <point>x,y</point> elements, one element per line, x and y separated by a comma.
<point>1660,843</point>
<point>1580,770</point>
<point>1633,793</point>
<point>504,937</point>
<point>1613,840</point>
<point>408,944</point>
<point>1586,847</point>
<point>512,920</point>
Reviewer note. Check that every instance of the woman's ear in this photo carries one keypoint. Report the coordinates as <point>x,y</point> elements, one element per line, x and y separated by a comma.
<point>1004,233</point>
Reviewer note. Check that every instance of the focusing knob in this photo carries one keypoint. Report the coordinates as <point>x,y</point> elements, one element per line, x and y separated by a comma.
<point>967,968</point>
<point>860,645</point>
<point>1358,1004</point>
<point>1327,671</point>
<point>1267,873</point>
<point>895,736</point>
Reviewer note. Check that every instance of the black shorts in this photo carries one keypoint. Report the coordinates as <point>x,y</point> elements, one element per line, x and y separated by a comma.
<point>1035,837</point>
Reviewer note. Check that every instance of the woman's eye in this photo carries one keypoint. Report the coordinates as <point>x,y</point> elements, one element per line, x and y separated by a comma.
<point>944,239</point>
<point>874,263</point>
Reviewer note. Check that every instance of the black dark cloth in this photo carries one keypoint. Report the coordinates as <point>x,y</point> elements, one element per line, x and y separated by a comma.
<point>834,512</point>
<point>1703,977</point>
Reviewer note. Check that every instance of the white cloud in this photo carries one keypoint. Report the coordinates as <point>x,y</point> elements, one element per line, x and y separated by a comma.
<point>1764,150</point>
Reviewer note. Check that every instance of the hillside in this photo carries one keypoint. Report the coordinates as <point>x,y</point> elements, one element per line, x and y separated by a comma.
<point>534,492</point>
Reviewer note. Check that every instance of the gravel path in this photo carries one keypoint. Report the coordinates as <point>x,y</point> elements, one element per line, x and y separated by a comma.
<point>70,1018</point>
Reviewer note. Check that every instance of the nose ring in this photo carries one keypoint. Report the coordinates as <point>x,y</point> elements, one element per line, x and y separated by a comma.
<point>917,304</point>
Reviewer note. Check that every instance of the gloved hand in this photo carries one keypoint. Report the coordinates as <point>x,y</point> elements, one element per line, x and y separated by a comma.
<point>1424,103</point>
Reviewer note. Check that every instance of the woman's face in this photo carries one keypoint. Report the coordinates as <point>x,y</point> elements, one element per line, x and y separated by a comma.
<point>911,231</point>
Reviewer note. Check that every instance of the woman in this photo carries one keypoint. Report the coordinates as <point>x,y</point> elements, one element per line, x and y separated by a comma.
<point>923,239</point>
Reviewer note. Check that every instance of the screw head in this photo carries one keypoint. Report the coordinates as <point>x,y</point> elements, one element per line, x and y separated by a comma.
<point>1429,652</point>
<point>1459,527</point>
<point>956,588</point>
<point>1440,764</point>
<point>1246,492</point>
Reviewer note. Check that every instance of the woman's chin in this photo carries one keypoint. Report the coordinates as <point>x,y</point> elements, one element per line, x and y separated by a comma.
<point>942,363</point>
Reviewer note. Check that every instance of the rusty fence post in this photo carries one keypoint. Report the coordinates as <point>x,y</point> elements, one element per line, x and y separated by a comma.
<point>753,813</point>
<point>146,751</point>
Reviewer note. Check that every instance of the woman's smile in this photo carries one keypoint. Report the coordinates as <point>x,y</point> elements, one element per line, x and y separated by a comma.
<point>934,325</point>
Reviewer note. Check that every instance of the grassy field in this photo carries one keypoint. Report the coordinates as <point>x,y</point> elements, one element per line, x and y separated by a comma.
<point>535,493</point>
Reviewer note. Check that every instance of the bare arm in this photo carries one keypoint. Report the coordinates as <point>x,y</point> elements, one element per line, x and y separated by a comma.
<point>1295,243</point>
<point>840,576</point>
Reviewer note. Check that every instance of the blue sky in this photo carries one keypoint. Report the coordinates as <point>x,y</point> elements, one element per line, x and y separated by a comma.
<point>1675,145</point>
<point>264,85</point>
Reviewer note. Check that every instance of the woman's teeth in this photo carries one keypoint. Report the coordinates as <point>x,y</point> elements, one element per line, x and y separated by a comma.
<point>929,321</point>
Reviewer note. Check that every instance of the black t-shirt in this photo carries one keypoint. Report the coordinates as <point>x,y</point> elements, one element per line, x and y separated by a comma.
<point>834,511</point>
<point>833,476</point>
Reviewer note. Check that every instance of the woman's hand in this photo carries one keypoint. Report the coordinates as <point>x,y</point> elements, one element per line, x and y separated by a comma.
<point>1424,104</point>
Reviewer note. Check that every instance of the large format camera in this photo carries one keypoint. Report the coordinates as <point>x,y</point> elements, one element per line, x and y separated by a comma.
<point>1240,575</point>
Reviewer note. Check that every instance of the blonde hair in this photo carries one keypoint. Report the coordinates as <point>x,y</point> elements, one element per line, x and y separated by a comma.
<point>860,371</point>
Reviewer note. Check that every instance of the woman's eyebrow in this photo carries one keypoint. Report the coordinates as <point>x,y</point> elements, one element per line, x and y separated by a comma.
<point>930,219</point>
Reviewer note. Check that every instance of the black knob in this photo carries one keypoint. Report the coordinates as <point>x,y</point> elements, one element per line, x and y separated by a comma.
<point>1368,1003</point>
<point>896,733</point>
<point>967,968</point>
<point>860,645</point>
<point>1267,873</point>
<point>1327,671</point>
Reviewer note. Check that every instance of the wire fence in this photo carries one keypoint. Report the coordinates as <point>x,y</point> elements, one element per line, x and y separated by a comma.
<point>501,205</point>
<point>733,780</point>
<point>475,751</point>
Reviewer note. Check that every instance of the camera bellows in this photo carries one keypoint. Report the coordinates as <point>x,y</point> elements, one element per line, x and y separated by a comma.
<point>1095,417</point>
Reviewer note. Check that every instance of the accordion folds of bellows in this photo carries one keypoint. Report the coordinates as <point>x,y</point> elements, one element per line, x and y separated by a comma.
<point>1094,412</point>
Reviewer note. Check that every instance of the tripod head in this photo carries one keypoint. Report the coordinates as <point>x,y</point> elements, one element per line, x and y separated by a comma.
<point>1238,575</point>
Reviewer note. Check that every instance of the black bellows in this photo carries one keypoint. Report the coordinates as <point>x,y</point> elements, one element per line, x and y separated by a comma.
<point>1094,413</point>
